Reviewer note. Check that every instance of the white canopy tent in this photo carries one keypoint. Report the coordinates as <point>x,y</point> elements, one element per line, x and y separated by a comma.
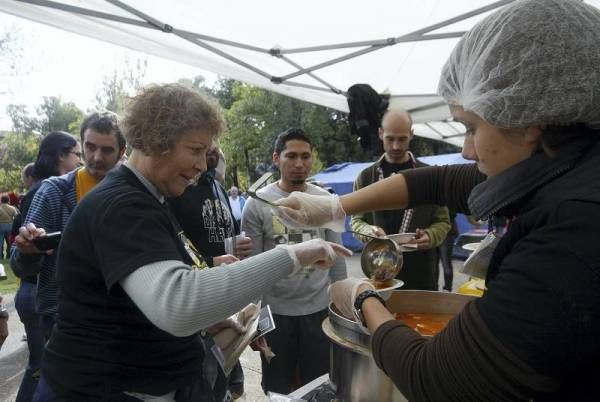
<point>312,50</point>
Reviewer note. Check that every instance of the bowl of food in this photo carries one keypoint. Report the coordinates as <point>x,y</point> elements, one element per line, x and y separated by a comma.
<point>381,260</point>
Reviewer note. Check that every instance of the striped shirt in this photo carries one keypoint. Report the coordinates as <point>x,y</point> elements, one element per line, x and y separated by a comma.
<point>49,210</point>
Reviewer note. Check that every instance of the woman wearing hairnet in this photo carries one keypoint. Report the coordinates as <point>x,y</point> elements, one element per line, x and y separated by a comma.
<point>526,84</point>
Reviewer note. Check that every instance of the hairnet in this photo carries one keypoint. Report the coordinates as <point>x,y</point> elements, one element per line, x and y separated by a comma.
<point>532,62</point>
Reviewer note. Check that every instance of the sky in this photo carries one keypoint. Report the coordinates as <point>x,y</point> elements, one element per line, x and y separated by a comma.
<point>53,62</point>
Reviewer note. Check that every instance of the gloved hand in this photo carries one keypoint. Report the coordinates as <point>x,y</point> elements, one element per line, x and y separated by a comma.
<point>343,294</point>
<point>302,210</point>
<point>224,259</point>
<point>315,252</point>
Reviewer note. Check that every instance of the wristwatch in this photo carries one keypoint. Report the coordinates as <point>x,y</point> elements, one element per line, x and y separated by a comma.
<point>358,302</point>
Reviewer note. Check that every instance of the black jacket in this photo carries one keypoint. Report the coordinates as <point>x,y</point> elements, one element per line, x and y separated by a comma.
<point>542,304</point>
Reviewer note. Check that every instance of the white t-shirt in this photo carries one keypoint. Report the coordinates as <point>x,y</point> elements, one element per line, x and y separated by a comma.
<point>236,208</point>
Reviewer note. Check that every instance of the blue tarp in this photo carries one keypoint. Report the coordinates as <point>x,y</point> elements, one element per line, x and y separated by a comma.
<point>341,176</point>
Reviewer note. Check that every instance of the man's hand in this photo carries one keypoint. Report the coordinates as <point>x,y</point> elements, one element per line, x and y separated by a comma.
<point>422,240</point>
<point>24,240</point>
<point>259,344</point>
<point>377,231</point>
<point>243,247</point>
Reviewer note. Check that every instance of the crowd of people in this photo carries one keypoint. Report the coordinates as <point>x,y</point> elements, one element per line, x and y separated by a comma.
<point>156,258</point>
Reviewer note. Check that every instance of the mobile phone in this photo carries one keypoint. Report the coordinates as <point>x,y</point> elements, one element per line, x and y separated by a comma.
<point>48,242</point>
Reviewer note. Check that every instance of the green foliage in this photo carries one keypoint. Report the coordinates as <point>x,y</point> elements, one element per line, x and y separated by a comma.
<point>52,115</point>
<point>22,121</point>
<point>57,115</point>
<point>18,149</point>
<point>255,118</point>
<point>11,284</point>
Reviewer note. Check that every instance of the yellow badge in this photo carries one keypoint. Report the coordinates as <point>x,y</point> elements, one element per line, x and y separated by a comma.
<point>199,262</point>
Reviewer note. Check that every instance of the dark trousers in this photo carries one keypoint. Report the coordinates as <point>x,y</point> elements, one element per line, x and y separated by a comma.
<point>47,323</point>
<point>301,352</point>
<point>445,250</point>
<point>5,232</point>
<point>236,380</point>
<point>44,393</point>
<point>25,305</point>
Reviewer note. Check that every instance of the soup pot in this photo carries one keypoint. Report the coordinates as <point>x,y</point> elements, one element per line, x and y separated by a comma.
<point>353,374</point>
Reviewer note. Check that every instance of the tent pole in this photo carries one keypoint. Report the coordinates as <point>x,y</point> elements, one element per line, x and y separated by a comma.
<point>392,41</point>
<point>190,38</point>
<point>322,81</point>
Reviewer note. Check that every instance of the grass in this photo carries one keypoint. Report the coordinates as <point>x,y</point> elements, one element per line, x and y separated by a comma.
<point>9,285</point>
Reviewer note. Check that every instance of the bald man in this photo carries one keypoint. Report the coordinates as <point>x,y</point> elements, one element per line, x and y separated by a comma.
<point>430,223</point>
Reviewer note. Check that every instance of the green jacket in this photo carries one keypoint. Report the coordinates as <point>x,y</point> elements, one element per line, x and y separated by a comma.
<point>420,270</point>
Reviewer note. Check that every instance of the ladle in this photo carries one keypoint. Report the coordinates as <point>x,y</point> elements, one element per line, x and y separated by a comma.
<point>381,259</point>
<point>403,246</point>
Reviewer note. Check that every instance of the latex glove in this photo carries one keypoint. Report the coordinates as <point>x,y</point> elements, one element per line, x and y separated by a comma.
<point>302,210</point>
<point>224,260</point>
<point>315,252</point>
<point>343,294</point>
<point>24,240</point>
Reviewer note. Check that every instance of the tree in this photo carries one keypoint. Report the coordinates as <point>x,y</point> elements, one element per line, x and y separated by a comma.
<point>18,149</point>
<point>222,90</point>
<point>22,121</point>
<point>56,115</point>
<point>256,116</point>
<point>53,115</point>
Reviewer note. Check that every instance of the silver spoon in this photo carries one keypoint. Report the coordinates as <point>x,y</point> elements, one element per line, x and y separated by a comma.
<point>259,198</point>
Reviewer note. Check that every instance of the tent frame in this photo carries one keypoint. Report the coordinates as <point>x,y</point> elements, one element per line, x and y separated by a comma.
<point>425,108</point>
<point>147,21</point>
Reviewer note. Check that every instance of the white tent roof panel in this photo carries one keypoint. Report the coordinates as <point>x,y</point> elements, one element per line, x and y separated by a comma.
<point>244,31</point>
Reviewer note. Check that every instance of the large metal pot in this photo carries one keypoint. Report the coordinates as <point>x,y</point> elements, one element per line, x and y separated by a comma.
<point>353,373</point>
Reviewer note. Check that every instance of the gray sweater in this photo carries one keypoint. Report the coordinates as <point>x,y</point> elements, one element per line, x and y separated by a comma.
<point>304,292</point>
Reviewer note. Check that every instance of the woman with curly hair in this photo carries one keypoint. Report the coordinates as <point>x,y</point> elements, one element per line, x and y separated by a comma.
<point>132,313</point>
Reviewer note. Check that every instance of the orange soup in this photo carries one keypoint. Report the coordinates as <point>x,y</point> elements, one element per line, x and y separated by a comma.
<point>427,324</point>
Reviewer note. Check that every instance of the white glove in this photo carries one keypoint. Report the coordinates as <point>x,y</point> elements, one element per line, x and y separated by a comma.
<point>343,294</point>
<point>302,210</point>
<point>317,252</point>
